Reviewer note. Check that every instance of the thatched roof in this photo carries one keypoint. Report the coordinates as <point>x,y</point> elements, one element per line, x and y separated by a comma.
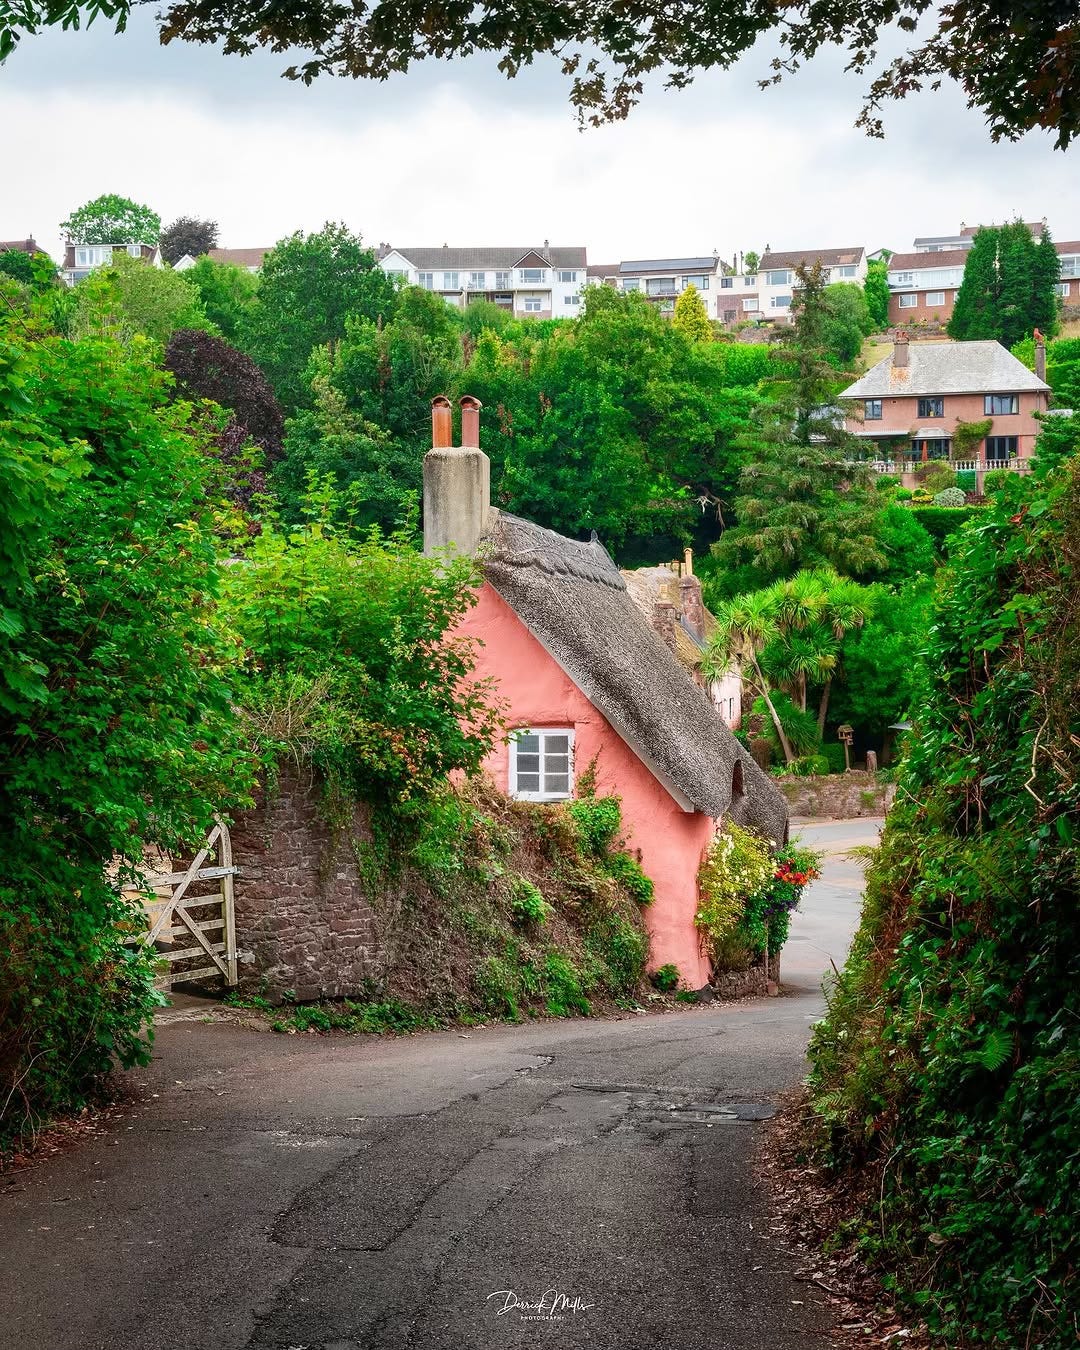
<point>573,600</point>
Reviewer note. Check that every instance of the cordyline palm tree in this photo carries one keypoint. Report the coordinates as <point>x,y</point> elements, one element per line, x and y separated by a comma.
<point>790,634</point>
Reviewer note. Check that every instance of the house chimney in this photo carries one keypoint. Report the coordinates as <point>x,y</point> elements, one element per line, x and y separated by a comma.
<point>900,350</point>
<point>663,621</point>
<point>457,481</point>
<point>691,604</point>
<point>1040,356</point>
<point>688,562</point>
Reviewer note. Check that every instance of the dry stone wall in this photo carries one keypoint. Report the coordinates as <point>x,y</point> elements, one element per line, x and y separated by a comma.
<point>839,796</point>
<point>304,924</point>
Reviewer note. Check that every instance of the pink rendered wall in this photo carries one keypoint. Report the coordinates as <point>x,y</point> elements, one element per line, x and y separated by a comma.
<point>899,415</point>
<point>671,841</point>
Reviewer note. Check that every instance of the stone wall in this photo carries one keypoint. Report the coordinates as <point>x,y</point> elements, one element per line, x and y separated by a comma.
<point>839,796</point>
<point>752,982</point>
<point>303,921</point>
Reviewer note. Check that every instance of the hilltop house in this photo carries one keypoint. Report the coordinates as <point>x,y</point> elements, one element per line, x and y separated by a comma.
<point>588,682</point>
<point>250,259</point>
<point>539,283</point>
<point>911,405</point>
<point>82,259</point>
<point>766,294</point>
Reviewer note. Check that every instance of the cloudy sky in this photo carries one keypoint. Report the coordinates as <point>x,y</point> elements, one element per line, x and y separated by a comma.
<point>453,153</point>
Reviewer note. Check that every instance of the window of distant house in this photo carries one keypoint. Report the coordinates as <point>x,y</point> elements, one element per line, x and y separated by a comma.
<point>93,257</point>
<point>780,301</point>
<point>872,409</point>
<point>450,281</point>
<point>533,304</point>
<point>1001,405</point>
<point>750,302</point>
<point>542,765</point>
<point>749,281</point>
<point>702,283</point>
<point>660,286</point>
<point>784,278</point>
<point>729,314</point>
<point>631,284</point>
<point>568,278</point>
<point>725,282</point>
<point>667,306</point>
<point>902,279</point>
<point>572,299</point>
<point>426,280</point>
<point>908,301</point>
<point>397,275</point>
<point>134,250</point>
<point>1001,448</point>
<point>502,281</point>
<point>931,407</point>
<point>476,281</point>
<point>846,271</point>
<point>533,276</point>
<point>1070,267</point>
<point>1062,288</point>
<point>935,297</point>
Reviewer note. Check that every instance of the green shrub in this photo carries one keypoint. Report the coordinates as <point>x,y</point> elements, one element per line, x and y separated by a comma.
<point>806,766</point>
<point>943,521</point>
<point>666,978</point>
<point>967,480</point>
<point>834,756</point>
<point>800,727</point>
<point>627,871</point>
<point>527,904</point>
<point>736,865</point>
<point>904,494</point>
<point>953,496</point>
<point>598,821</point>
<point>995,479</point>
<point>562,984</point>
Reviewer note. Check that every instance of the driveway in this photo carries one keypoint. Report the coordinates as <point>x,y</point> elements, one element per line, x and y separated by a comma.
<point>363,1193</point>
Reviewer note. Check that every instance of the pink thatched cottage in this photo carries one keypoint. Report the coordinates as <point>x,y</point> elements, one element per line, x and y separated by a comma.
<point>587,679</point>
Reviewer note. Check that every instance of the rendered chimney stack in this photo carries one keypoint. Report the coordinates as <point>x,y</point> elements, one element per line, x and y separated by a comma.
<point>691,603</point>
<point>1040,356</point>
<point>663,621</point>
<point>900,350</point>
<point>457,481</point>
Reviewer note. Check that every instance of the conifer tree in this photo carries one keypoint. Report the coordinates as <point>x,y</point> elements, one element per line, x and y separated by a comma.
<point>973,314</point>
<point>1008,286</point>
<point>1046,308</point>
<point>691,317</point>
<point>876,287</point>
<point>804,497</point>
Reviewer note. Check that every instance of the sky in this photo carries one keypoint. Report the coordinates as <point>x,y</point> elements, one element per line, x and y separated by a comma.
<point>454,153</point>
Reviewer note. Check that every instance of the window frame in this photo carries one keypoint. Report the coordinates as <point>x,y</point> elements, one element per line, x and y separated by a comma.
<point>532,276</point>
<point>785,274</point>
<point>1012,446</point>
<point>868,415</point>
<point>845,271</point>
<point>567,276</point>
<point>929,298</point>
<point>990,408</point>
<point>540,795</point>
<point>909,301</point>
<point>931,407</point>
<point>532,304</point>
<point>426,280</point>
<point>574,299</point>
<point>780,301</point>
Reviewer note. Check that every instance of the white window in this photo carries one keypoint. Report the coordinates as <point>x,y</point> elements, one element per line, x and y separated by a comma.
<point>908,301</point>
<point>1070,267</point>
<point>396,274</point>
<point>632,284</point>
<point>846,271</point>
<point>476,281</point>
<point>568,278</point>
<point>502,281</point>
<point>784,278</point>
<point>426,280</point>
<point>532,276</point>
<point>935,297</point>
<point>667,306</point>
<point>750,302</point>
<point>999,405</point>
<point>901,279</point>
<point>726,283</point>
<point>94,256</point>
<point>749,281</point>
<point>1062,288</point>
<point>702,283</point>
<point>533,304</point>
<point>542,764</point>
<point>572,299</point>
<point>134,250</point>
<point>779,301</point>
<point>450,281</point>
<point>660,286</point>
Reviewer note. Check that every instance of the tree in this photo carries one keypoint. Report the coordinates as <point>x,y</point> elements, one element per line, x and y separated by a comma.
<point>744,627</point>
<point>877,291</point>
<point>611,48</point>
<point>310,285</point>
<point>751,261</point>
<point>130,297</point>
<point>206,367</point>
<point>881,659</point>
<point>187,237</point>
<point>116,723</point>
<point>1008,288</point>
<point>804,495</point>
<point>112,220</point>
<point>15,263</point>
<point>227,292</point>
<point>691,317</point>
<point>847,322</point>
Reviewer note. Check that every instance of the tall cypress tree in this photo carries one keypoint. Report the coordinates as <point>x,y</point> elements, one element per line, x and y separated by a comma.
<point>974,314</point>
<point>1016,271</point>
<point>804,497</point>
<point>1046,307</point>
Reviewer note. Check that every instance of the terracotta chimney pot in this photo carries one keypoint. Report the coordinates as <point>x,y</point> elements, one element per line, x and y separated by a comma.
<point>442,422</point>
<point>470,422</point>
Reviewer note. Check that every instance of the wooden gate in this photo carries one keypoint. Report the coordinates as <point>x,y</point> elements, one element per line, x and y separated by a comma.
<point>207,888</point>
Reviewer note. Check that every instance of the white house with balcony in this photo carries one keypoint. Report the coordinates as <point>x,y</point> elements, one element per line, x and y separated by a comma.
<point>766,295</point>
<point>541,283</point>
<point>82,259</point>
<point>662,280</point>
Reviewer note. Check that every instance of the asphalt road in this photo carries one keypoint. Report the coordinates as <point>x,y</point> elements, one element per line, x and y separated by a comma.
<point>368,1194</point>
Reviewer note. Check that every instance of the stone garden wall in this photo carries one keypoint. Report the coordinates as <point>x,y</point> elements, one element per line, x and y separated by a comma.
<point>838,796</point>
<point>303,920</point>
